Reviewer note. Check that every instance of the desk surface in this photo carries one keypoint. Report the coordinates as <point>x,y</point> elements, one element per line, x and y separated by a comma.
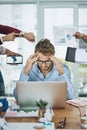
<point>72,116</point>
<point>70,112</point>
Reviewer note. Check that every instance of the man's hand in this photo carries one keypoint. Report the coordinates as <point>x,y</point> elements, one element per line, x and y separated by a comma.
<point>11,53</point>
<point>9,37</point>
<point>58,64</point>
<point>78,35</point>
<point>30,61</point>
<point>29,36</point>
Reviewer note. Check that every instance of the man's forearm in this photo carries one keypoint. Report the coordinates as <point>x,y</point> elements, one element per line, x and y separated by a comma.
<point>84,37</point>
<point>23,76</point>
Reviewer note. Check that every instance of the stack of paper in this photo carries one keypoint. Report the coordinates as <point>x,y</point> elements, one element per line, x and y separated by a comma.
<point>21,113</point>
<point>77,102</point>
<point>30,126</point>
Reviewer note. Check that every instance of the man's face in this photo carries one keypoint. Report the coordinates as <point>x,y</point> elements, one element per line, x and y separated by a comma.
<point>44,62</point>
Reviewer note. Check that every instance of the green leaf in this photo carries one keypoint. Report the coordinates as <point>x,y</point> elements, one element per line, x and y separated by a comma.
<point>41,103</point>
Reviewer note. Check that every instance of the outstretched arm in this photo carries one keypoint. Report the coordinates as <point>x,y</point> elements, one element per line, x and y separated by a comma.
<point>82,36</point>
<point>7,29</point>
<point>6,51</point>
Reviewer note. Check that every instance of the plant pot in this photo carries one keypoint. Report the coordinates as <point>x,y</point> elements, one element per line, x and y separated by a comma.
<point>42,112</point>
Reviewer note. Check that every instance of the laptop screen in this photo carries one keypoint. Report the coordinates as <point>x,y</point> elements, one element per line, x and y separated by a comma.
<point>52,92</point>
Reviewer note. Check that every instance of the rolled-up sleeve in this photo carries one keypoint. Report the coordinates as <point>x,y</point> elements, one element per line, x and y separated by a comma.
<point>23,76</point>
<point>70,88</point>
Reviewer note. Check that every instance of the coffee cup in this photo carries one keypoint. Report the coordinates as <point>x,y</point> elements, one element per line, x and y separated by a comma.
<point>83,116</point>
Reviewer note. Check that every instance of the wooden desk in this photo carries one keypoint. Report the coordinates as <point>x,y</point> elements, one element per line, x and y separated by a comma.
<point>70,112</point>
<point>72,116</point>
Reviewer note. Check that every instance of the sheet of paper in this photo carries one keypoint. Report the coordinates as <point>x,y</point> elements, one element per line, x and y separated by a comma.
<point>29,126</point>
<point>77,102</point>
<point>81,56</point>
<point>64,36</point>
<point>69,38</point>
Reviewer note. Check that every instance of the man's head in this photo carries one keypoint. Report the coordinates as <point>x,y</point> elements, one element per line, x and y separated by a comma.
<point>44,49</point>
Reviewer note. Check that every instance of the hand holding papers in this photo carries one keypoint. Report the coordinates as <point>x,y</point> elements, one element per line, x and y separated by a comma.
<point>76,55</point>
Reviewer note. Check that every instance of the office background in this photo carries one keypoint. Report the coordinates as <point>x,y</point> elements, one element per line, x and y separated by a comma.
<point>40,17</point>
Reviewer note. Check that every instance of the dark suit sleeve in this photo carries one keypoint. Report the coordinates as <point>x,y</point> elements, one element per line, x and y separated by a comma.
<point>70,54</point>
<point>7,29</point>
<point>0,42</point>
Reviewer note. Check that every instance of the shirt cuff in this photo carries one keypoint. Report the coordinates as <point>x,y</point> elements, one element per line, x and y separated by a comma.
<point>1,41</point>
<point>2,50</point>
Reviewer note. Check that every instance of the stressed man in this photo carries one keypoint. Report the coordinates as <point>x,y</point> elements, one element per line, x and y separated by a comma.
<point>44,66</point>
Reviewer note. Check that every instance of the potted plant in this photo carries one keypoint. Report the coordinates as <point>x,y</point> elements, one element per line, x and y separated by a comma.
<point>42,106</point>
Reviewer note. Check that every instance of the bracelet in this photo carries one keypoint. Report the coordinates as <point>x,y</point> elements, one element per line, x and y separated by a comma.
<point>22,34</point>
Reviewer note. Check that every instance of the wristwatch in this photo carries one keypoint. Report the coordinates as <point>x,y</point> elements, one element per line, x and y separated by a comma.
<point>22,34</point>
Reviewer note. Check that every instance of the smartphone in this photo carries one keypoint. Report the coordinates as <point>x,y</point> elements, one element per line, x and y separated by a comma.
<point>14,59</point>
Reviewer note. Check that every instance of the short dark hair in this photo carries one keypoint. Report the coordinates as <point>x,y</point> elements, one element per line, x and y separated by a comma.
<point>45,47</point>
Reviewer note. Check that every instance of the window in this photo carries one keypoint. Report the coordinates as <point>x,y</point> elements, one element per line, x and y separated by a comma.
<point>60,14</point>
<point>61,17</point>
<point>21,17</point>
<point>41,18</point>
<point>58,17</point>
<point>82,68</point>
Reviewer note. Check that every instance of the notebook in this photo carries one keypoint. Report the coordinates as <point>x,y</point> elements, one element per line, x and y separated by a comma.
<point>52,92</point>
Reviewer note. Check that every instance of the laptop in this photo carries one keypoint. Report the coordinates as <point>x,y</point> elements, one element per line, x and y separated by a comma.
<point>55,93</point>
